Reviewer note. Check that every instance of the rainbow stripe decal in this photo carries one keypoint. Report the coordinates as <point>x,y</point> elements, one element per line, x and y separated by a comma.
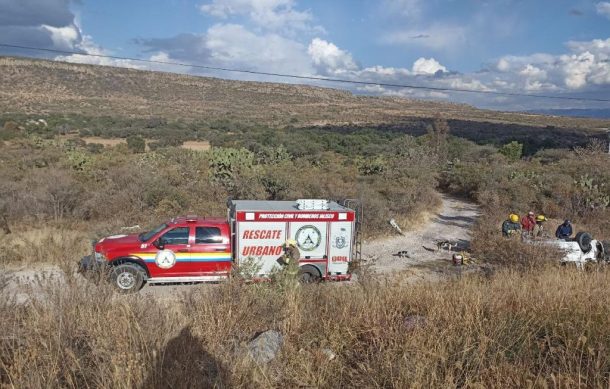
<point>188,257</point>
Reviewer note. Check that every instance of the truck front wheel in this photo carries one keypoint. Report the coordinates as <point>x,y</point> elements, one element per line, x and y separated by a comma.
<point>127,277</point>
<point>309,274</point>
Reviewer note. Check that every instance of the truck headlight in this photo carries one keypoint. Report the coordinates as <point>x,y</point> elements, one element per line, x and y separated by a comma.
<point>99,257</point>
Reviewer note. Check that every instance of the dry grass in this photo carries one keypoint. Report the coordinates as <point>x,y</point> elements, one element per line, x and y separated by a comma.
<point>104,141</point>
<point>46,245</point>
<point>546,328</point>
<point>196,145</point>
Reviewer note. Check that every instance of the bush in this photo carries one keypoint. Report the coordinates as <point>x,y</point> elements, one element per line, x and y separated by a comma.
<point>136,144</point>
<point>513,151</point>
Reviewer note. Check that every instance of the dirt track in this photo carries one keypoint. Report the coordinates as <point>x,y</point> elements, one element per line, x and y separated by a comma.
<point>452,223</point>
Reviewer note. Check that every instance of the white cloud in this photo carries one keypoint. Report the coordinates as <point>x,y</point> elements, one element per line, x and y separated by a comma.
<point>234,45</point>
<point>586,65</point>
<point>269,14</point>
<point>428,66</point>
<point>599,47</point>
<point>64,38</point>
<point>87,46</point>
<point>382,71</point>
<point>466,82</point>
<point>603,8</point>
<point>329,59</point>
<point>533,72</point>
<point>576,69</point>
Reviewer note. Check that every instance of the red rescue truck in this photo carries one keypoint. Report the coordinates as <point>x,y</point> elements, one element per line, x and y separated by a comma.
<point>199,249</point>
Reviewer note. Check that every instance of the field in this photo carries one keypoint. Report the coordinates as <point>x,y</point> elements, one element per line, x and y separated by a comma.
<point>90,151</point>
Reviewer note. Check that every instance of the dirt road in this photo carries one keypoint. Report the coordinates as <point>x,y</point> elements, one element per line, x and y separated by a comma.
<point>423,259</point>
<point>452,223</point>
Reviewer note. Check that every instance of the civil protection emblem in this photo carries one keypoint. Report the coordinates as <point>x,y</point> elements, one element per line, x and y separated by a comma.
<point>165,259</point>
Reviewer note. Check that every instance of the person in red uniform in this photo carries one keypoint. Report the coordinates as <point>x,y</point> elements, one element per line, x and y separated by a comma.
<point>528,222</point>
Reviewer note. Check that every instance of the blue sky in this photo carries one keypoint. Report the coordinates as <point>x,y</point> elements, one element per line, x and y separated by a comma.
<point>559,47</point>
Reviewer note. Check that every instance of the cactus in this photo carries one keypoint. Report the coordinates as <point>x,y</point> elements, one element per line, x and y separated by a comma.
<point>225,163</point>
<point>592,194</point>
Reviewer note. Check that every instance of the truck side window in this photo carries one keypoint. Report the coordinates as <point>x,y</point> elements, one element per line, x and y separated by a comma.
<point>179,235</point>
<point>207,235</point>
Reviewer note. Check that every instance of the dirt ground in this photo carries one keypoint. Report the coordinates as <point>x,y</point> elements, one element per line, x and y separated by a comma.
<point>420,249</point>
<point>421,260</point>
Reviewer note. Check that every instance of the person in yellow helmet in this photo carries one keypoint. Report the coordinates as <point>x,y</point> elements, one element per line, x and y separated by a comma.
<point>291,252</point>
<point>538,231</point>
<point>511,225</point>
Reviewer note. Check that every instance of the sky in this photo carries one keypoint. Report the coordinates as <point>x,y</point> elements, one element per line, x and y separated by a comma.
<point>544,47</point>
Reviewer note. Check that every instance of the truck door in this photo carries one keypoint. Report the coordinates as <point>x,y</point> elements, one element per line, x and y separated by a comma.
<point>210,252</point>
<point>173,259</point>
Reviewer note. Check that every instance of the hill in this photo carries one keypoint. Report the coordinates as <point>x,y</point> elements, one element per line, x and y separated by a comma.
<point>43,87</point>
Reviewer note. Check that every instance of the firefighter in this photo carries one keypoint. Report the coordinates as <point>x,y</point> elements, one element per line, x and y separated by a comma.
<point>528,223</point>
<point>289,276</point>
<point>290,258</point>
<point>538,231</point>
<point>564,231</point>
<point>511,225</point>
<point>291,252</point>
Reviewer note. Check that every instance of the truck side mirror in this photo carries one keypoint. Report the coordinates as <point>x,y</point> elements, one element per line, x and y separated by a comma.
<point>159,243</point>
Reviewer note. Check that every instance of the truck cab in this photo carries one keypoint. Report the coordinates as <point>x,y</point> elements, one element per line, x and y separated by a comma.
<point>184,249</point>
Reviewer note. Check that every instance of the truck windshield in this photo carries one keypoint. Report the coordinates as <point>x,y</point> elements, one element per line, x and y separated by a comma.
<point>145,236</point>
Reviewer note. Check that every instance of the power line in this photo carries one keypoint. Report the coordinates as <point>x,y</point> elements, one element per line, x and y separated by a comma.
<point>313,78</point>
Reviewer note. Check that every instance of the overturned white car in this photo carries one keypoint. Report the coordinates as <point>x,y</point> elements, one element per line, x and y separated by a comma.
<point>582,249</point>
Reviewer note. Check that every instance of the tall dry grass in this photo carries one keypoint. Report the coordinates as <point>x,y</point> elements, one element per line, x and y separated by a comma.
<point>515,329</point>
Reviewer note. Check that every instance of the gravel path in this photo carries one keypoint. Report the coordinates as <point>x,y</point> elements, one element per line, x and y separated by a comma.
<point>452,223</point>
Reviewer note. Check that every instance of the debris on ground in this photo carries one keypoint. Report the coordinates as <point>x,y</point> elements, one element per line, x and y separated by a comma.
<point>412,322</point>
<point>402,254</point>
<point>132,228</point>
<point>463,258</point>
<point>444,244</point>
<point>329,354</point>
<point>264,347</point>
<point>396,226</point>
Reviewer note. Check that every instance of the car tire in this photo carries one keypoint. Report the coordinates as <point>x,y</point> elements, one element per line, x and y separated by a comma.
<point>606,248</point>
<point>127,278</point>
<point>309,274</point>
<point>584,241</point>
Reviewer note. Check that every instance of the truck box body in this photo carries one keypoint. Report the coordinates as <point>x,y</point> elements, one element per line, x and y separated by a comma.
<point>323,232</point>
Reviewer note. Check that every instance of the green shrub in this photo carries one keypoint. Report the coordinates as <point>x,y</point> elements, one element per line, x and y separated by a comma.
<point>136,144</point>
<point>513,150</point>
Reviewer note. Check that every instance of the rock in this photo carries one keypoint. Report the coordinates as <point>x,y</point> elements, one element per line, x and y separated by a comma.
<point>264,347</point>
<point>412,322</point>
<point>329,354</point>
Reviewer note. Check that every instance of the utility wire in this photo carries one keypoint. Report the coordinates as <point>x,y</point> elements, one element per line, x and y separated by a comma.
<point>313,78</point>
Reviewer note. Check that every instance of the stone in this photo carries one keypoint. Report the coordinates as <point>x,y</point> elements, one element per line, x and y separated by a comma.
<point>264,347</point>
<point>329,354</point>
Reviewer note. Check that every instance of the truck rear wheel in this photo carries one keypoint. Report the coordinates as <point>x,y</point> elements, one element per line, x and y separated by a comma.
<point>127,277</point>
<point>309,274</point>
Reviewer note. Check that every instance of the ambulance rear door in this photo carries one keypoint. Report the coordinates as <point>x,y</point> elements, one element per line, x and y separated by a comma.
<point>340,247</point>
